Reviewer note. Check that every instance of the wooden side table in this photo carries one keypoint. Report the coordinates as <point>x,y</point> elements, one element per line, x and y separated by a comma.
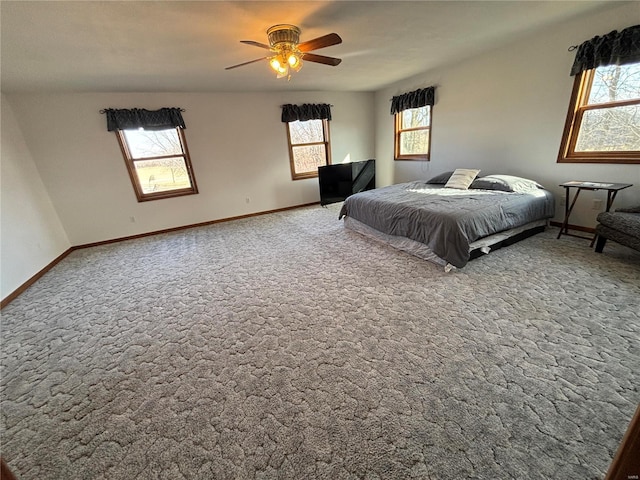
<point>611,188</point>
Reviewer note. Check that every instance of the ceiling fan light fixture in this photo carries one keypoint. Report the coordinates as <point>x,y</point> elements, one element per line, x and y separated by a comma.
<point>295,61</point>
<point>275,63</point>
<point>279,65</point>
<point>283,39</point>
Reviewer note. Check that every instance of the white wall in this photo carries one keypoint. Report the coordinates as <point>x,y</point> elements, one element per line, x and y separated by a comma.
<point>238,148</point>
<point>505,112</point>
<point>31,232</point>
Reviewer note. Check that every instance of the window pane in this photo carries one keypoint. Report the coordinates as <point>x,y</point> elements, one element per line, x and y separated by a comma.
<point>148,143</point>
<point>414,143</point>
<point>162,175</point>
<point>615,83</point>
<point>610,129</point>
<point>415,117</point>
<point>306,132</point>
<point>309,158</point>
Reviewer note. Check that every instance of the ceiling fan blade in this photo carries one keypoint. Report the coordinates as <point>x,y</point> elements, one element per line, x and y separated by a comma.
<point>320,42</point>
<point>246,63</point>
<point>312,57</point>
<point>256,44</point>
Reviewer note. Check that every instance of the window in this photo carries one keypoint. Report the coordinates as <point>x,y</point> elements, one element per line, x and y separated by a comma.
<point>309,147</point>
<point>603,123</point>
<point>413,133</point>
<point>412,115</point>
<point>158,162</point>
<point>155,151</point>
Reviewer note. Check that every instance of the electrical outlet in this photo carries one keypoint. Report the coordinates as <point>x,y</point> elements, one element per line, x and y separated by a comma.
<point>247,200</point>
<point>132,219</point>
<point>597,204</point>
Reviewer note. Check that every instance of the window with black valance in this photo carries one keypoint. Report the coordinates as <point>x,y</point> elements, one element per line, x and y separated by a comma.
<point>308,138</point>
<point>614,48</point>
<point>135,118</point>
<point>412,112</point>
<point>305,112</point>
<point>601,124</point>
<point>416,99</point>
<point>154,147</point>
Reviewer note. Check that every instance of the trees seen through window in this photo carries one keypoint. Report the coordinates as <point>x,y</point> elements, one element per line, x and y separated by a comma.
<point>603,123</point>
<point>309,147</point>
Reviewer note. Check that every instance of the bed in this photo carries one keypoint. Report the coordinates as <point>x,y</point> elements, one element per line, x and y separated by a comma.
<point>450,222</point>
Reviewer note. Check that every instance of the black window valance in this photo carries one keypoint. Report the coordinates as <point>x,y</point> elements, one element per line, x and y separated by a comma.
<point>134,118</point>
<point>307,111</point>
<point>415,99</point>
<point>615,48</point>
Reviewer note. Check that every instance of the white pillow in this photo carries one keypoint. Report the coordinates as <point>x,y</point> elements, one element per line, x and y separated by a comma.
<point>462,178</point>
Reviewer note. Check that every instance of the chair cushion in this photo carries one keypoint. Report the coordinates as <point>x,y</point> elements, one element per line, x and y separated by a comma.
<point>627,222</point>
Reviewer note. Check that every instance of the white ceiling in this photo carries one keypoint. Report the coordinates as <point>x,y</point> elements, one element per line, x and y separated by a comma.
<point>183,46</point>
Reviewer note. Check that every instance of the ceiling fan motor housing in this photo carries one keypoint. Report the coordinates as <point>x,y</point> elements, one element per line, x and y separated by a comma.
<point>283,34</point>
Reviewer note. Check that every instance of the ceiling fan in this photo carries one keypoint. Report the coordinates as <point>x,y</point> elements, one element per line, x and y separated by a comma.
<point>287,52</point>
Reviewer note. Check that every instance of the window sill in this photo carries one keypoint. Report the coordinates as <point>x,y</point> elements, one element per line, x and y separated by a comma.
<point>600,159</point>
<point>421,158</point>
<point>169,194</point>
<point>304,176</point>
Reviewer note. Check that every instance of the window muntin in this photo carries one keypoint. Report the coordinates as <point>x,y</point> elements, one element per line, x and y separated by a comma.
<point>413,134</point>
<point>603,123</point>
<point>158,163</point>
<point>309,147</point>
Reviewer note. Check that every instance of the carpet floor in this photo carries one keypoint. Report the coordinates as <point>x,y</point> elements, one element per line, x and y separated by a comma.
<point>286,347</point>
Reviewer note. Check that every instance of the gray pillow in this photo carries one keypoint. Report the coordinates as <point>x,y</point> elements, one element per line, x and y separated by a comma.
<point>441,179</point>
<point>506,183</point>
<point>489,183</point>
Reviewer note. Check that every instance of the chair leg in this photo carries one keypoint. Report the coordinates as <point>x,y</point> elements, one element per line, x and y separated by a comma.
<point>600,243</point>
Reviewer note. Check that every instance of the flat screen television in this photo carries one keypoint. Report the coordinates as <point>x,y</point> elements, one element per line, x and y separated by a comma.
<point>337,182</point>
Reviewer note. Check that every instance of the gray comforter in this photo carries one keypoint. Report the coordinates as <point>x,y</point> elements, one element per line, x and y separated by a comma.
<point>446,219</point>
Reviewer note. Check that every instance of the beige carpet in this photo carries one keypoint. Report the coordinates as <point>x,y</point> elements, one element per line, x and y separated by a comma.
<point>284,346</point>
